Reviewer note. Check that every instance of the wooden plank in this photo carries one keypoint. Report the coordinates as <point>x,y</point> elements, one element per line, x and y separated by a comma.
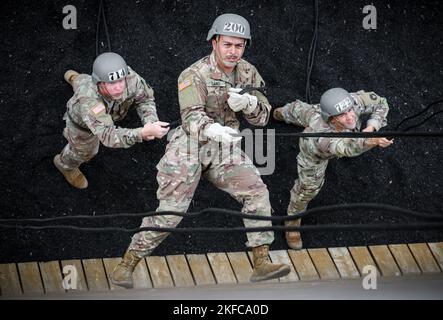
<point>30,278</point>
<point>344,263</point>
<point>69,267</point>
<point>9,280</point>
<point>424,257</point>
<point>437,251</point>
<point>52,276</point>
<point>324,264</point>
<point>158,268</point>
<point>180,271</point>
<point>110,264</point>
<point>303,265</point>
<point>221,268</point>
<point>251,258</point>
<point>95,274</point>
<point>385,261</point>
<point>281,256</point>
<point>141,276</point>
<point>241,266</point>
<point>404,259</point>
<point>200,269</point>
<point>362,258</point>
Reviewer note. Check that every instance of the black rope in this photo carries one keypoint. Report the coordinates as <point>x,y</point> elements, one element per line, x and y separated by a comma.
<point>97,30</point>
<point>360,134</point>
<point>311,55</point>
<point>418,114</point>
<point>248,89</point>
<point>102,15</point>
<point>389,134</point>
<point>105,23</point>
<point>425,120</point>
<point>314,211</point>
<point>325,227</point>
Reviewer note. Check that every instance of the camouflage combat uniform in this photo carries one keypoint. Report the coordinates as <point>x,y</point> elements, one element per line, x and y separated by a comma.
<point>315,152</point>
<point>88,123</point>
<point>203,94</point>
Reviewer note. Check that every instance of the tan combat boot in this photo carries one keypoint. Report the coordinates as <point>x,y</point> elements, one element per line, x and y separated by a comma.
<point>278,114</point>
<point>75,177</point>
<point>264,269</point>
<point>293,238</point>
<point>70,75</point>
<point>122,274</point>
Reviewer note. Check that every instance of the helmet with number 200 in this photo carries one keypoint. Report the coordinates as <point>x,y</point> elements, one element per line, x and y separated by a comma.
<point>230,24</point>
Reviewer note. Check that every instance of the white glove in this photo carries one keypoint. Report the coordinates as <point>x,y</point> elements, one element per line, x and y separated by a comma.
<point>221,134</point>
<point>245,102</point>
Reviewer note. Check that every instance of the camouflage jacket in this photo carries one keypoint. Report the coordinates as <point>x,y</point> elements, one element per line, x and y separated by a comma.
<point>308,116</point>
<point>203,93</point>
<point>85,110</point>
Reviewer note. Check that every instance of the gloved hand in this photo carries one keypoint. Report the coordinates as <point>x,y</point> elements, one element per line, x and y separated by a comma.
<point>221,134</point>
<point>245,102</point>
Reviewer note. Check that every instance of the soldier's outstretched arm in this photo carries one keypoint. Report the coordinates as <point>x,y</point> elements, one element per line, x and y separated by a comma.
<point>351,147</point>
<point>100,123</point>
<point>376,106</point>
<point>344,147</point>
<point>144,101</point>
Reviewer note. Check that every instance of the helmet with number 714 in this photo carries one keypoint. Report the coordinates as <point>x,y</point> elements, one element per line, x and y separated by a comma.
<point>109,67</point>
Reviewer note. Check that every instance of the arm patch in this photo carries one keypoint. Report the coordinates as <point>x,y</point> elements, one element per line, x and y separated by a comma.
<point>98,109</point>
<point>184,84</point>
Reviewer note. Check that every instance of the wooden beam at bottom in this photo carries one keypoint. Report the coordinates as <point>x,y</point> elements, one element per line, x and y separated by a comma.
<point>9,280</point>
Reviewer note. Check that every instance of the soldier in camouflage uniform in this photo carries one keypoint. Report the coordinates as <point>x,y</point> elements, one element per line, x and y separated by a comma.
<point>338,111</point>
<point>204,146</point>
<point>98,101</point>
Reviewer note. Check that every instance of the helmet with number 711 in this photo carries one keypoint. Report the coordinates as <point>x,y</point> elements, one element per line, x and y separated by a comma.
<point>109,67</point>
<point>230,24</point>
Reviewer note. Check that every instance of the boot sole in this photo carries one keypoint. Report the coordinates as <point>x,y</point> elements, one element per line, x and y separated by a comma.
<point>124,284</point>
<point>68,76</point>
<point>279,273</point>
<point>296,247</point>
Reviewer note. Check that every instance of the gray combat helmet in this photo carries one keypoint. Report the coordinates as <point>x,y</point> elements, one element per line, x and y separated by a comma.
<point>335,101</point>
<point>230,24</point>
<point>109,67</point>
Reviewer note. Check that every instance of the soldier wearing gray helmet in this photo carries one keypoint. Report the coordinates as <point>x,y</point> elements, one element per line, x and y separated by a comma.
<point>338,111</point>
<point>98,101</point>
<point>203,146</point>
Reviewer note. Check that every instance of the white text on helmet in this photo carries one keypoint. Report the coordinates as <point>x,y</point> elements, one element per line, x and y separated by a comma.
<point>343,105</point>
<point>112,76</point>
<point>234,27</point>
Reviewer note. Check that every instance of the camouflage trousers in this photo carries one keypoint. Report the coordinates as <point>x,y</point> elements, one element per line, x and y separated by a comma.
<point>311,177</point>
<point>82,144</point>
<point>179,172</point>
<point>311,171</point>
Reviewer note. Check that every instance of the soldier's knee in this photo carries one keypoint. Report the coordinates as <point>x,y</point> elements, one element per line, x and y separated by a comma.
<point>166,221</point>
<point>259,199</point>
<point>86,154</point>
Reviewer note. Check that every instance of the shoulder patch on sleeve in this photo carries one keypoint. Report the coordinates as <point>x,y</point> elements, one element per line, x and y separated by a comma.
<point>373,96</point>
<point>184,84</point>
<point>98,109</point>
